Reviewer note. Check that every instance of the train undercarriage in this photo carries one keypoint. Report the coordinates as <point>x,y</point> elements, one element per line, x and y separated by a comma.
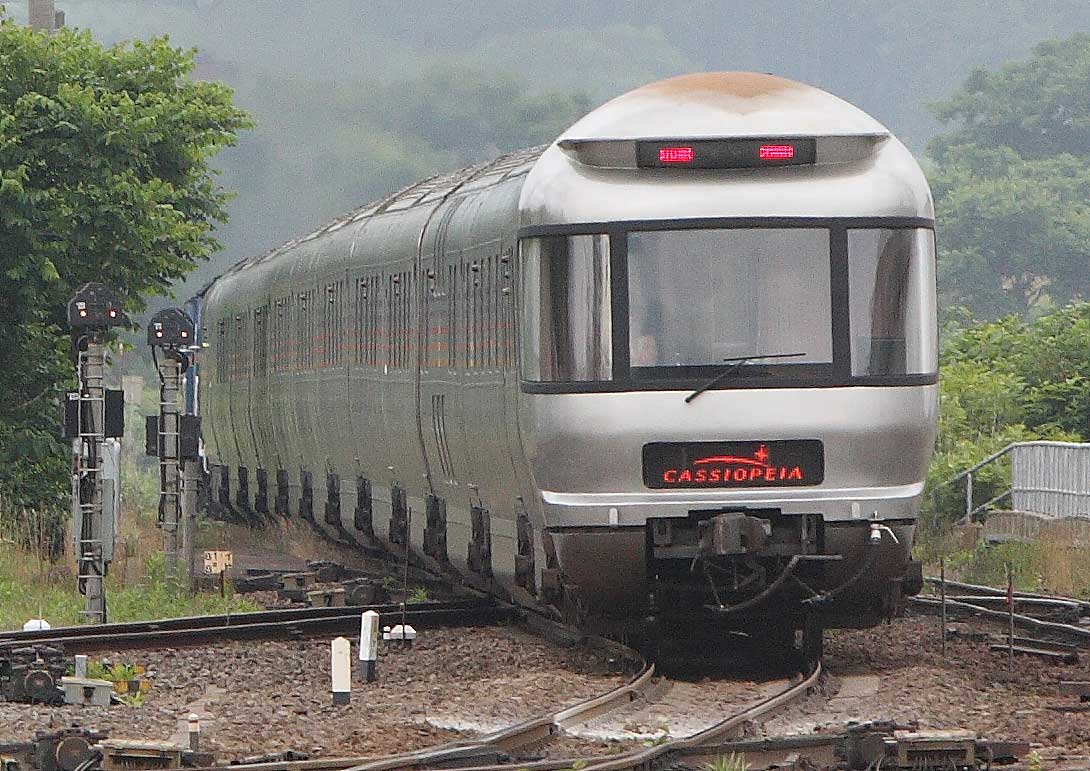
<point>722,581</point>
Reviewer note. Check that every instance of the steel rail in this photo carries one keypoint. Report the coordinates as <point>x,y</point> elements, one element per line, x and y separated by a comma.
<point>1084,605</point>
<point>730,724</point>
<point>645,756</point>
<point>1070,631</point>
<point>295,623</point>
<point>229,619</point>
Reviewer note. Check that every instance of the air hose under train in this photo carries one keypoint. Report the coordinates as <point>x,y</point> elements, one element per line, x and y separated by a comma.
<point>870,553</point>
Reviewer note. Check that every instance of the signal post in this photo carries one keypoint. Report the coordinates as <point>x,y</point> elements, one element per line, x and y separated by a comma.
<point>93,414</point>
<point>171,436</point>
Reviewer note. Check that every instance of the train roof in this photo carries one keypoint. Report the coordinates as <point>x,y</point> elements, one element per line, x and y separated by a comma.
<point>426,191</point>
<point>722,105</point>
<point>599,170</point>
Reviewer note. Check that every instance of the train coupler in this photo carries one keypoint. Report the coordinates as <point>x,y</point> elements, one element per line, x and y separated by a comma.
<point>733,533</point>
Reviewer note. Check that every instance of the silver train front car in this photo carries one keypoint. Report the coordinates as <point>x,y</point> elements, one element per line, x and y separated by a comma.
<point>680,361</point>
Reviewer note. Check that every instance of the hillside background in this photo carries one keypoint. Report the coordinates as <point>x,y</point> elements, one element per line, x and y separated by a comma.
<point>355,98</point>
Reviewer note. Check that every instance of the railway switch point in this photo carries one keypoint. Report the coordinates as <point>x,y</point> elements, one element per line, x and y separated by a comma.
<point>86,691</point>
<point>341,671</point>
<point>369,620</point>
<point>326,598</point>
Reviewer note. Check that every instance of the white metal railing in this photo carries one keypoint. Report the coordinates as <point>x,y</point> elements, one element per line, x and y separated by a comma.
<point>1047,478</point>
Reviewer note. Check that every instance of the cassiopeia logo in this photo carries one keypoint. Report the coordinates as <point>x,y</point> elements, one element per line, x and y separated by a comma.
<point>758,468</point>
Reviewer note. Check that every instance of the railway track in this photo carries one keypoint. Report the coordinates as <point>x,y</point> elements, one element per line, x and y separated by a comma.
<point>267,624</point>
<point>1031,598</point>
<point>1080,635</point>
<point>990,603</point>
<point>493,751</point>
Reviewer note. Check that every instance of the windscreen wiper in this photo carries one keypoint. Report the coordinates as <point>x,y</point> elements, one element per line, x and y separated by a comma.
<point>735,363</point>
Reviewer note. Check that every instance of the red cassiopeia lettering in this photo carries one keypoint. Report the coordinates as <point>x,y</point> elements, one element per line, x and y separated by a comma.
<point>732,475</point>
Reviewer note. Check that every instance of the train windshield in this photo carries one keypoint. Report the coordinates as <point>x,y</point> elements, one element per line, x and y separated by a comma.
<point>697,297</point>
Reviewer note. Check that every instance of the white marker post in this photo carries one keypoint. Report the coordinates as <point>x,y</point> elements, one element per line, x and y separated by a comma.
<point>341,671</point>
<point>194,725</point>
<point>369,644</point>
<point>81,665</point>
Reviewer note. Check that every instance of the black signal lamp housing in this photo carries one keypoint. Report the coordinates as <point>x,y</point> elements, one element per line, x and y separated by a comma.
<point>171,328</point>
<point>96,306</point>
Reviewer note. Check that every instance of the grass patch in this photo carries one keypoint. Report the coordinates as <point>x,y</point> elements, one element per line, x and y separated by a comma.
<point>1045,565</point>
<point>38,580</point>
<point>31,588</point>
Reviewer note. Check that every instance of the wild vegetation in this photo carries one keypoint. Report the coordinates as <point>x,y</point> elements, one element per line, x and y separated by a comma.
<point>105,176</point>
<point>33,584</point>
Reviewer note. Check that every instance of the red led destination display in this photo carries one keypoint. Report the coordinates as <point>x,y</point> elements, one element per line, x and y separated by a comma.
<point>791,463</point>
<point>725,153</point>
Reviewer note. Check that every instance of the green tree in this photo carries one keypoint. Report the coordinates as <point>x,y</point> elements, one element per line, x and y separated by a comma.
<point>104,176</point>
<point>1037,107</point>
<point>1012,184</point>
<point>1014,233</point>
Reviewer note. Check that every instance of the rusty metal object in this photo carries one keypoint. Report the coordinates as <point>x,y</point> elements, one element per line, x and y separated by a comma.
<point>124,755</point>
<point>32,674</point>
<point>979,589</point>
<point>733,533</point>
<point>1063,657</point>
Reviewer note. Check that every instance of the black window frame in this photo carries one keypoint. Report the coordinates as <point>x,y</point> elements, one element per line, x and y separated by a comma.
<point>835,375</point>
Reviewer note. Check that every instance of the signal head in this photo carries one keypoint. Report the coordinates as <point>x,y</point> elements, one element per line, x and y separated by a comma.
<point>96,306</point>
<point>171,328</point>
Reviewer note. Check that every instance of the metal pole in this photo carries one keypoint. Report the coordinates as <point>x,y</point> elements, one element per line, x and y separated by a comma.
<point>942,591</point>
<point>91,569</point>
<point>170,477</point>
<point>1010,618</point>
<point>188,530</point>
<point>405,573</point>
<point>968,498</point>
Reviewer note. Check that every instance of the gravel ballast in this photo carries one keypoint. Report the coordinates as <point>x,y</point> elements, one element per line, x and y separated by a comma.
<point>267,697</point>
<point>897,671</point>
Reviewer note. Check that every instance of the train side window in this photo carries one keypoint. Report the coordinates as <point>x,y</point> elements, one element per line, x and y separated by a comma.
<point>291,323</point>
<point>452,316</point>
<point>391,321</point>
<point>341,320</point>
<point>238,344</point>
<point>493,306</point>
<point>277,342</point>
<point>374,323</point>
<point>221,352</point>
<point>304,332</point>
<point>408,337</point>
<point>506,331</point>
<point>567,330</point>
<point>362,317</point>
<point>261,343</point>
<point>331,317</point>
<point>891,276</point>
<point>467,315</point>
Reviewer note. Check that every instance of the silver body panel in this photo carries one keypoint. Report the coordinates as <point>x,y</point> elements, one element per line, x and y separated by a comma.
<point>894,425</point>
